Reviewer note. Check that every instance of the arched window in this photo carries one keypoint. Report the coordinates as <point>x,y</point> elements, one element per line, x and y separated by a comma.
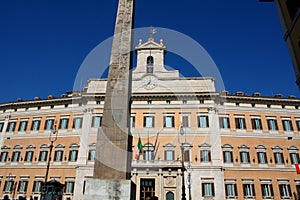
<point>150,62</point>
<point>170,196</point>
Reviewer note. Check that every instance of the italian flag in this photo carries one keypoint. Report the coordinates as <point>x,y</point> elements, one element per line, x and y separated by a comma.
<point>297,168</point>
<point>138,149</point>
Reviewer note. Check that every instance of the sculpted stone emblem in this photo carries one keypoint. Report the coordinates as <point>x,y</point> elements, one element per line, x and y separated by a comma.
<point>170,181</point>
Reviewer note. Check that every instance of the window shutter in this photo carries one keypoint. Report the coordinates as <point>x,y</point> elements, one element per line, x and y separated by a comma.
<point>209,156</point>
<point>153,122</point>
<point>235,190</point>
<point>244,123</point>
<point>207,122</point>
<point>281,190</point>
<point>173,125</point>
<point>144,121</point>
<point>253,190</point>
<point>237,125</point>
<point>224,158</point>
<point>276,124</point>
<point>212,189</point>
<point>203,194</point>
<point>253,123</point>
<point>228,122</point>
<point>289,189</point>
<point>291,125</point>
<point>93,121</point>
<point>5,185</point>
<point>271,189</point>
<point>260,125</point>
<point>266,158</point>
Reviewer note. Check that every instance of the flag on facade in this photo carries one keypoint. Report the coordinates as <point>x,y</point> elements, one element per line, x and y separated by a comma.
<point>297,168</point>
<point>138,149</point>
<point>155,147</point>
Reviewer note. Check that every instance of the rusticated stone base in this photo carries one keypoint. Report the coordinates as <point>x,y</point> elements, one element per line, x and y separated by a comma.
<point>96,189</point>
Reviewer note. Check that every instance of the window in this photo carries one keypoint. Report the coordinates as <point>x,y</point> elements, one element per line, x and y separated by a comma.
<point>285,190</point>
<point>184,101</point>
<point>203,121</point>
<point>63,124</point>
<point>294,158</point>
<point>168,101</point>
<point>96,121</point>
<point>73,155</point>
<point>227,156</point>
<point>1,126</point>
<point>169,121</point>
<point>248,189</point>
<point>224,122</point>
<point>240,123</point>
<point>77,123</point>
<point>49,124</point>
<point>132,121</point>
<point>205,155</point>
<point>15,156</point>
<point>256,124</point>
<point>23,126</point>
<point>70,187</point>
<point>8,186</point>
<point>37,186</point>
<point>279,158</point>
<point>35,124</point>
<point>169,155</point>
<point>170,196</point>
<point>272,124</point>
<point>208,190</point>
<point>3,156</point>
<point>147,189</point>
<point>186,156</point>
<point>287,125</point>
<point>262,157</point>
<point>92,155</point>
<point>267,190</point>
<point>28,156</point>
<point>22,187</point>
<point>150,62</point>
<point>149,102</point>
<point>11,127</point>
<point>148,154</point>
<point>245,157</point>
<point>148,121</point>
<point>298,124</point>
<point>185,121</point>
<point>58,155</point>
<point>231,190</point>
<point>43,156</point>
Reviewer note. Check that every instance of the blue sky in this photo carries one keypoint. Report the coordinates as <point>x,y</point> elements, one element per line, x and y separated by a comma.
<point>43,43</point>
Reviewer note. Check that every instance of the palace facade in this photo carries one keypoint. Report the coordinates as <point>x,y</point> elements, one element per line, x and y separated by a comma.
<point>232,146</point>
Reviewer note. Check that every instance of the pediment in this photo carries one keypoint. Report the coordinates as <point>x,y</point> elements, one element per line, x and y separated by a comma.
<point>150,44</point>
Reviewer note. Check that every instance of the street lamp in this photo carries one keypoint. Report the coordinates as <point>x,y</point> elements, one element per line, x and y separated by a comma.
<point>52,139</point>
<point>189,180</point>
<point>181,131</point>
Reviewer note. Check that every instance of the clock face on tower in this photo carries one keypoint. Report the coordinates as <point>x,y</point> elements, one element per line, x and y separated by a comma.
<point>149,82</point>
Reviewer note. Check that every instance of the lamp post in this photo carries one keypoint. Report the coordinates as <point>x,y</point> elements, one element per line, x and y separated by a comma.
<point>181,131</point>
<point>52,139</point>
<point>189,180</point>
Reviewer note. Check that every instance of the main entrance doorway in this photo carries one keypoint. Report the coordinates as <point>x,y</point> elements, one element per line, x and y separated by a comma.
<point>147,189</point>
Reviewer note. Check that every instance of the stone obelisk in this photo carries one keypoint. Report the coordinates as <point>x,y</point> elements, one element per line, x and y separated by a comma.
<point>114,141</point>
<point>111,179</point>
